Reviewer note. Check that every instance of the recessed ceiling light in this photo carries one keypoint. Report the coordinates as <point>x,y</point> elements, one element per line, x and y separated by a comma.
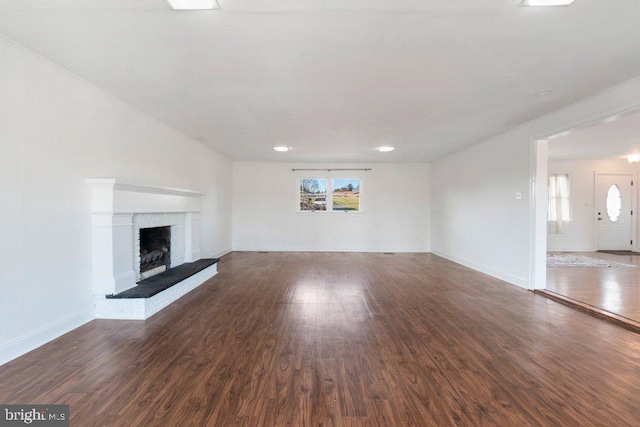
<point>546,2</point>
<point>193,4</point>
<point>545,92</point>
<point>281,149</point>
<point>386,149</point>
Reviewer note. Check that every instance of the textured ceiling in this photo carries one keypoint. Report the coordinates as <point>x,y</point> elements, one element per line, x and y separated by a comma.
<point>336,79</point>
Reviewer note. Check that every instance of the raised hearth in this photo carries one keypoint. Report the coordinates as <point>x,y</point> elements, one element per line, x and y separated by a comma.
<point>154,285</point>
<point>155,293</point>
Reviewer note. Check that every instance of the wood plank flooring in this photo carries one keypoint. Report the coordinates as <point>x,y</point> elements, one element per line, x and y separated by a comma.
<point>615,290</point>
<point>344,339</point>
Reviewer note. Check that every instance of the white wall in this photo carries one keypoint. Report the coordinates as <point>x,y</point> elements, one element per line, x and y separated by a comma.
<point>55,131</point>
<point>579,233</point>
<point>476,219</point>
<point>395,217</point>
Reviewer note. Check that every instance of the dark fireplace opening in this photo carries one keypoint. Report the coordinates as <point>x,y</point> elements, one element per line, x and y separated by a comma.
<point>155,249</point>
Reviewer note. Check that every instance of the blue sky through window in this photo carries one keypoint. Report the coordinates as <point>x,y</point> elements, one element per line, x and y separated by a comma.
<point>344,183</point>
<point>313,185</point>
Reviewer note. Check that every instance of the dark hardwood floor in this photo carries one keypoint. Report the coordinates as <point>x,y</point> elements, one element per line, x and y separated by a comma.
<point>349,339</point>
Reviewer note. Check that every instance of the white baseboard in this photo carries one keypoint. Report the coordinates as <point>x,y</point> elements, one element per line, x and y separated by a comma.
<point>570,249</point>
<point>506,277</point>
<point>34,339</point>
<point>221,253</point>
<point>328,249</point>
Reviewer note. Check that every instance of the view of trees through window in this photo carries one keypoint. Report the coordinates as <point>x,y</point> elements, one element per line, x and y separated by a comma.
<point>313,194</point>
<point>344,194</point>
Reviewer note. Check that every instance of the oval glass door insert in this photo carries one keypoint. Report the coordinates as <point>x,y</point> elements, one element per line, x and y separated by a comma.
<point>614,203</point>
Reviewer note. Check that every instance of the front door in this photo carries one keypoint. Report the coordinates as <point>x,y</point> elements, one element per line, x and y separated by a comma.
<point>614,211</point>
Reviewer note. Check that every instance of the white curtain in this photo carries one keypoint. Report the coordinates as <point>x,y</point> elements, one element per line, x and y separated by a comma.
<point>559,205</point>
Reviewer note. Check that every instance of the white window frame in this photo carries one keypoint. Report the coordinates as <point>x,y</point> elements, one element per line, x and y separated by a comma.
<point>330,177</point>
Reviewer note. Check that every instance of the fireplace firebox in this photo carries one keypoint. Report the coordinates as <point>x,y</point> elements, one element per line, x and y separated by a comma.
<point>155,250</point>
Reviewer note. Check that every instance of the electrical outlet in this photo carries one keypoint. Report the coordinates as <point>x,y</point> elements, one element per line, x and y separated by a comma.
<point>518,195</point>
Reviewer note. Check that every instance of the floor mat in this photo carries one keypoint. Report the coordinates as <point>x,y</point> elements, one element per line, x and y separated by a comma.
<point>573,260</point>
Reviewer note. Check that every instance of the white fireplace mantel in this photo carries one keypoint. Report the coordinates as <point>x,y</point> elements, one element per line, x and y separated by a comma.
<point>117,209</point>
<point>113,196</point>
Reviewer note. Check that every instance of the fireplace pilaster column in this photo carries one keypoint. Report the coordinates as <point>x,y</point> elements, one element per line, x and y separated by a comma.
<point>193,237</point>
<point>112,252</point>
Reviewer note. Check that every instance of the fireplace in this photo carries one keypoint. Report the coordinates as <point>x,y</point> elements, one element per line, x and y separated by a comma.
<point>155,251</point>
<point>121,212</point>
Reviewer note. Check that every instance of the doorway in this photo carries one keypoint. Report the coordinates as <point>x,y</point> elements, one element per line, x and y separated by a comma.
<point>614,212</point>
<point>603,217</point>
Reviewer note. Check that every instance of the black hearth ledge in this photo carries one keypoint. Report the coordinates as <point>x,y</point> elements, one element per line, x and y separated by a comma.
<point>154,285</point>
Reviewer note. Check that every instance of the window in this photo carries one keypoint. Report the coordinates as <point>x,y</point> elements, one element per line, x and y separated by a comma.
<point>614,203</point>
<point>346,194</point>
<point>559,201</point>
<point>313,194</point>
<point>329,194</point>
